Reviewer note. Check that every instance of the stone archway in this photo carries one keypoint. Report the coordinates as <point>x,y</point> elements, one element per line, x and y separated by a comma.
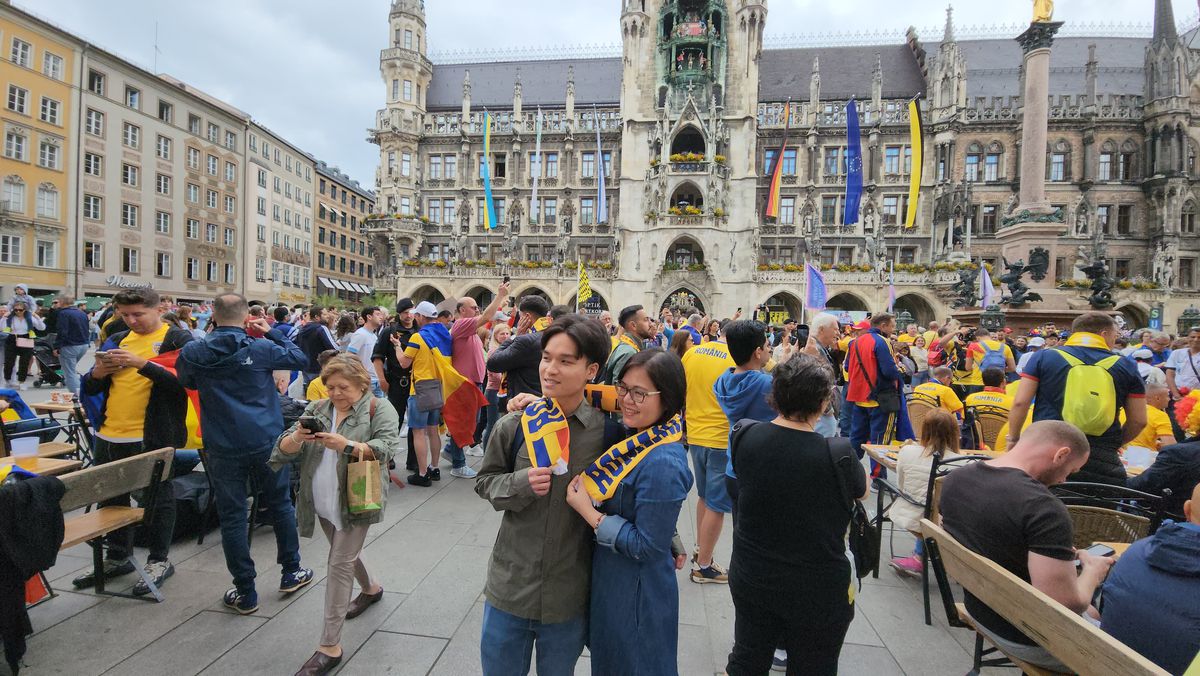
<point>427,292</point>
<point>688,140</point>
<point>918,307</point>
<point>481,294</point>
<point>1136,316</point>
<point>847,300</point>
<point>781,306</point>
<point>532,290</point>
<point>687,194</point>
<point>592,306</point>
<point>685,251</point>
<point>682,300</point>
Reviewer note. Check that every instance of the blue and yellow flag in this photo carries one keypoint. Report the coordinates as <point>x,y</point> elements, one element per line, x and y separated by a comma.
<point>489,209</point>
<point>547,436</point>
<point>462,398</point>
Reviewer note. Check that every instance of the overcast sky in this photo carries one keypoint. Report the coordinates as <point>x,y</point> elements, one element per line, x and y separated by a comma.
<point>310,70</point>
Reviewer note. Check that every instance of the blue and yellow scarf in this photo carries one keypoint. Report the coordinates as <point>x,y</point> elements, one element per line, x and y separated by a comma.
<point>547,437</point>
<point>602,477</point>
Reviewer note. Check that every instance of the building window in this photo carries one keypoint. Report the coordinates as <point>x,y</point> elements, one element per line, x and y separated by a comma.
<point>48,154</point>
<point>229,273</point>
<point>46,254</point>
<point>262,178</point>
<point>1058,167</point>
<point>834,163</point>
<point>229,235</point>
<point>210,233</point>
<point>435,167</point>
<point>131,135</point>
<point>193,228</point>
<point>230,140</point>
<point>971,168</point>
<point>47,202</point>
<point>829,210</point>
<point>212,165</point>
<point>588,165</point>
<point>1105,171</point>
<point>129,215</point>
<point>405,206</point>
<point>405,164</point>
<point>94,122</point>
<point>1125,167</point>
<point>435,210</point>
<point>21,52</point>
<point>1124,219</point>
<point>162,264</point>
<point>193,268</point>
<point>214,133</point>
<point>1187,219</point>
<point>262,206</point>
<point>1187,273</point>
<point>408,39</point>
<point>163,148</point>
<point>96,82</point>
<point>162,222</point>
<point>129,260</point>
<point>10,249</point>
<point>408,90</point>
<point>14,146</point>
<point>193,193</point>
<point>891,160</point>
<point>448,211</point>
<point>162,184</point>
<point>890,212</point>
<point>50,111</point>
<point>52,66</point>
<point>193,158</point>
<point>166,112</point>
<point>451,164</point>
<point>18,99</point>
<point>133,98</point>
<point>93,205</point>
<point>1121,268</point>
<point>230,172</point>
<point>787,210</point>
<point>549,210</point>
<point>262,232</point>
<point>587,210</point>
<point>93,164</point>
<point>130,175</point>
<point>210,199</point>
<point>93,255</point>
<point>230,204</point>
<point>991,167</point>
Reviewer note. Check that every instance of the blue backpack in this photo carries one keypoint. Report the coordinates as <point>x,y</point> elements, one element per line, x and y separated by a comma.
<point>992,358</point>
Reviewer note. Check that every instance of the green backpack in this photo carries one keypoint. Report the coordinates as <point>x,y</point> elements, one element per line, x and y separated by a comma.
<point>1090,397</point>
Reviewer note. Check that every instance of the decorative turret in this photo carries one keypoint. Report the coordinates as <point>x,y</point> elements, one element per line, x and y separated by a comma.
<point>814,92</point>
<point>466,99</point>
<point>517,97</point>
<point>571,92</point>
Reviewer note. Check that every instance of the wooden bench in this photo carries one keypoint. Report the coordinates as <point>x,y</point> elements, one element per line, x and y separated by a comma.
<point>1074,641</point>
<point>102,482</point>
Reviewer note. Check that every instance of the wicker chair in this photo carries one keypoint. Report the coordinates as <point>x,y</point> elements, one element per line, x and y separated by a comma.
<point>989,420</point>
<point>919,406</point>
<point>1096,524</point>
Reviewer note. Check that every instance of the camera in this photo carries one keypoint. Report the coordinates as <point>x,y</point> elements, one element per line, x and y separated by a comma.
<point>969,336</point>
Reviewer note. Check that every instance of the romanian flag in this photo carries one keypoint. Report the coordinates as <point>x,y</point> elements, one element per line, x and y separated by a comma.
<point>489,210</point>
<point>462,398</point>
<point>194,438</point>
<point>918,143</point>
<point>777,169</point>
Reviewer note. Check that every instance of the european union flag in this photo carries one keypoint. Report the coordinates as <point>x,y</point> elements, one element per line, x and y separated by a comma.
<point>816,289</point>
<point>854,175</point>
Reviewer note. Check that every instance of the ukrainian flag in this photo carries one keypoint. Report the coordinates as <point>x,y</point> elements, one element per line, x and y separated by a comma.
<point>462,398</point>
<point>488,217</point>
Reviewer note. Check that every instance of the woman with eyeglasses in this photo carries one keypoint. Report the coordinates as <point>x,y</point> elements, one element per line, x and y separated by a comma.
<point>20,329</point>
<point>631,497</point>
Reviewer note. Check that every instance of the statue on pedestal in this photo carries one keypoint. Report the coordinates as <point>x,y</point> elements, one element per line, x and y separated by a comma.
<point>1018,292</point>
<point>966,289</point>
<point>1097,272</point>
<point>1043,11</point>
<point>1163,266</point>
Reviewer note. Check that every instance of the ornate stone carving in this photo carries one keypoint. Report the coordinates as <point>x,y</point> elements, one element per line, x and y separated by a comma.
<point>1039,35</point>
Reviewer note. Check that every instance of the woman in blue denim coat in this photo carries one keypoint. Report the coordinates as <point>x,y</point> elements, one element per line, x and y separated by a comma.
<point>634,627</point>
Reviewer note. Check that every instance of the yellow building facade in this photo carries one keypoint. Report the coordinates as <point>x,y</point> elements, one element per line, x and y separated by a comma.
<point>38,74</point>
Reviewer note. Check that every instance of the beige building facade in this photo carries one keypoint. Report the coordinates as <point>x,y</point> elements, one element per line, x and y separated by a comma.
<point>278,249</point>
<point>344,263</point>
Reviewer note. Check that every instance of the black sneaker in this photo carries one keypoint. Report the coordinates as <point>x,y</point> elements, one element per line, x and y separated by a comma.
<point>243,603</point>
<point>158,572</point>
<point>111,569</point>
<point>295,580</point>
<point>434,473</point>
<point>419,480</point>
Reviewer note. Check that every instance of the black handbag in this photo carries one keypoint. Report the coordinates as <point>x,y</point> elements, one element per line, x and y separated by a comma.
<point>863,536</point>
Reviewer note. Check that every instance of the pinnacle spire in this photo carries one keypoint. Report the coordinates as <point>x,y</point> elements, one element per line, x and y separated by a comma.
<point>1164,22</point>
<point>948,34</point>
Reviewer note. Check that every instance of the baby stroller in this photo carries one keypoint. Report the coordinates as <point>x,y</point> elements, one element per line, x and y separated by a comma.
<point>49,369</point>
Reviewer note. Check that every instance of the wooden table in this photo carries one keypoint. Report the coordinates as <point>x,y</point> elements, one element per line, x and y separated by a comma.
<point>1118,548</point>
<point>75,435</point>
<point>46,466</point>
<point>879,453</point>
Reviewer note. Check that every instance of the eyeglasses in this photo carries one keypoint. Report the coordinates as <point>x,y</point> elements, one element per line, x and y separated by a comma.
<point>638,396</point>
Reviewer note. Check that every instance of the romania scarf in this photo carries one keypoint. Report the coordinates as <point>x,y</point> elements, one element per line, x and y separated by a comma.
<point>602,477</point>
<point>547,437</point>
<point>630,342</point>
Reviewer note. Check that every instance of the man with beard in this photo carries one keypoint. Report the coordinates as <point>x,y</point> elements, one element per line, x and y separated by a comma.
<point>637,330</point>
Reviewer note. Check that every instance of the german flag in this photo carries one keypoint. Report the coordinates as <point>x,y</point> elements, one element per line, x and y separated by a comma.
<point>777,169</point>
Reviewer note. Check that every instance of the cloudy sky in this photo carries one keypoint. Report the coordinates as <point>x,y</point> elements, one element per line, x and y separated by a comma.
<point>310,70</point>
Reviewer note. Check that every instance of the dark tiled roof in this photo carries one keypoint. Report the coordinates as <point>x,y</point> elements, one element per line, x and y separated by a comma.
<point>992,65</point>
<point>845,72</point>
<point>542,83</point>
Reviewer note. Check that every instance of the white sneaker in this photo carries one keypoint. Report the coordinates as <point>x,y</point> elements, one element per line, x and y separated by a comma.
<point>404,430</point>
<point>24,386</point>
<point>463,472</point>
<point>475,451</point>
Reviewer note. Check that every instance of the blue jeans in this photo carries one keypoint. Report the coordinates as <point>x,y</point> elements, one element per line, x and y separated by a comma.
<point>68,357</point>
<point>844,414</point>
<point>506,645</point>
<point>493,413</point>
<point>377,390</point>
<point>230,474</point>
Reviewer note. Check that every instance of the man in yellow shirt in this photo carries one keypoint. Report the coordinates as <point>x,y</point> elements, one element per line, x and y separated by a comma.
<point>143,408</point>
<point>1158,431</point>
<point>910,334</point>
<point>994,392</point>
<point>938,390</point>
<point>708,443</point>
<point>931,334</point>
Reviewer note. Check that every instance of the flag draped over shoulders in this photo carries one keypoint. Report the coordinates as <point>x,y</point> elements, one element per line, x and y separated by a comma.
<point>194,437</point>
<point>462,398</point>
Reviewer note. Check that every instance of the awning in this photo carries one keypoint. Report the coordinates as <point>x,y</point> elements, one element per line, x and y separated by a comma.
<point>337,283</point>
<point>368,289</point>
<point>325,282</point>
<point>362,289</point>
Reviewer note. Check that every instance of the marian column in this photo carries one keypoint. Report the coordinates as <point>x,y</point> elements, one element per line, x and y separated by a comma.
<point>1035,43</point>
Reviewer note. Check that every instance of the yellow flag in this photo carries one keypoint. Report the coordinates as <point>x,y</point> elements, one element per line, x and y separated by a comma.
<point>585,286</point>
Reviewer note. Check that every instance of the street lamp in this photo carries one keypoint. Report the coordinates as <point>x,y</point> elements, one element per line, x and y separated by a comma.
<point>992,318</point>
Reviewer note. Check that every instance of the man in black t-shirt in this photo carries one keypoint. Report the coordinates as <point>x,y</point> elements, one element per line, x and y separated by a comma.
<point>393,378</point>
<point>1003,510</point>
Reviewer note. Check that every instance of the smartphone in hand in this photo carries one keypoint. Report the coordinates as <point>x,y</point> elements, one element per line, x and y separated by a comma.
<point>312,424</point>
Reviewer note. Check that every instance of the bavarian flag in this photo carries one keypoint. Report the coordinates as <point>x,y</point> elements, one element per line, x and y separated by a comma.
<point>194,438</point>
<point>462,398</point>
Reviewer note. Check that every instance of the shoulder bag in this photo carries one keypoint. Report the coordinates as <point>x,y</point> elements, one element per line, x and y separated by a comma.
<point>888,398</point>
<point>863,537</point>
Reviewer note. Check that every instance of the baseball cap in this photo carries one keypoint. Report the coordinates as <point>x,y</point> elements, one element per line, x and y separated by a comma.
<point>1142,353</point>
<point>426,309</point>
<point>1037,341</point>
<point>862,326</point>
<point>404,304</point>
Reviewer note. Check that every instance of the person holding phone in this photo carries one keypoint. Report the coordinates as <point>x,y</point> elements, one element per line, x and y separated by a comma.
<point>351,424</point>
<point>20,329</point>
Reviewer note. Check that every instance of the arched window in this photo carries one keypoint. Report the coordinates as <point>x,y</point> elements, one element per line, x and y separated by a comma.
<point>688,140</point>
<point>685,251</point>
<point>973,160</point>
<point>1127,161</point>
<point>1106,170</point>
<point>1058,164</point>
<point>1187,218</point>
<point>14,194</point>
<point>47,201</point>
<point>688,194</point>
<point>993,162</point>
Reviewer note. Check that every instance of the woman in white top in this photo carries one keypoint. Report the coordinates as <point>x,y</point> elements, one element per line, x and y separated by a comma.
<point>920,356</point>
<point>939,434</point>
<point>20,329</point>
<point>354,423</point>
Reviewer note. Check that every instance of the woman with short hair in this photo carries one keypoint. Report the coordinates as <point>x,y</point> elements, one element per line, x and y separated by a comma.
<point>790,576</point>
<point>20,329</point>
<point>939,436</point>
<point>354,424</point>
<point>640,485</point>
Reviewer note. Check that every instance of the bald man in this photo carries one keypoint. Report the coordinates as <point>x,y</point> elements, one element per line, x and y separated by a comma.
<point>467,358</point>
<point>1150,597</point>
<point>1003,510</point>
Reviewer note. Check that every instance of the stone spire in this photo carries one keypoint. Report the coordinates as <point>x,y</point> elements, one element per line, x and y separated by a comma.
<point>466,98</point>
<point>517,97</point>
<point>948,34</point>
<point>877,86</point>
<point>570,92</point>
<point>814,88</point>
<point>1164,23</point>
<point>1090,72</point>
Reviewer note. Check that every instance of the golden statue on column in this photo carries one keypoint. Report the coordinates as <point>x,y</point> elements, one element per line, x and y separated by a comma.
<point>1043,11</point>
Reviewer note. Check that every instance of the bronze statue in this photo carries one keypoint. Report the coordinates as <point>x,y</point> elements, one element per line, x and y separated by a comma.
<point>1097,272</point>
<point>966,289</point>
<point>1018,292</point>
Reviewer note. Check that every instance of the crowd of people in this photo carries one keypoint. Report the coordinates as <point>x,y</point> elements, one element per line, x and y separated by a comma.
<point>592,432</point>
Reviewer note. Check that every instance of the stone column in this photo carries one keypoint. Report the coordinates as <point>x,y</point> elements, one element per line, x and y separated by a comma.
<point>1035,42</point>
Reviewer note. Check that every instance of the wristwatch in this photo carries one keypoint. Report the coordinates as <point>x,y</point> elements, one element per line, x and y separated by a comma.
<point>349,449</point>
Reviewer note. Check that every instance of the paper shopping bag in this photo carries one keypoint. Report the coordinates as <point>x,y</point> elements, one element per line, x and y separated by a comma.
<point>363,487</point>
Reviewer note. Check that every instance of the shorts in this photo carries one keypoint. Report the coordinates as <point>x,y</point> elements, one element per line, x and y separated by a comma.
<point>418,419</point>
<point>709,466</point>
